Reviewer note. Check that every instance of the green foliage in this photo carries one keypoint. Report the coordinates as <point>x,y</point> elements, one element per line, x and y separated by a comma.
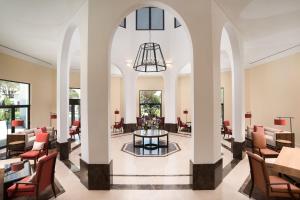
<point>73,94</point>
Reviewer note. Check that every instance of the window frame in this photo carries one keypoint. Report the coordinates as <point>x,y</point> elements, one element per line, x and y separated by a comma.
<point>149,28</point>
<point>175,24</point>
<point>125,22</point>
<point>151,104</point>
<point>14,107</point>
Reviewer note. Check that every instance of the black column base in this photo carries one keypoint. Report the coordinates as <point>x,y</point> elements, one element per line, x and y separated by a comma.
<point>129,128</point>
<point>238,150</point>
<point>206,176</point>
<point>64,150</point>
<point>96,176</point>
<point>171,127</point>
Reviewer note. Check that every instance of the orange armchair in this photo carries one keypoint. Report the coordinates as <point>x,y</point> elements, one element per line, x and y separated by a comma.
<point>34,154</point>
<point>270,186</point>
<point>43,178</point>
<point>75,129</point>
<point>226,128</point>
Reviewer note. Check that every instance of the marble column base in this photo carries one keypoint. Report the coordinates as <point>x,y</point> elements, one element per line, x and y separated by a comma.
<point>129,128</point>
<point>171,127</point>
<point>96,176</point>
<point>238,150</point>
<point>63,149</point>
<point>206,176</point>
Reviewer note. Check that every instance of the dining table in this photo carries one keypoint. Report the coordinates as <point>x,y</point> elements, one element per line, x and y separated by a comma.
<point>287,162</point>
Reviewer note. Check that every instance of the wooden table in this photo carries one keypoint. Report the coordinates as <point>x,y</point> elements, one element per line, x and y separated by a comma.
<point>288,162</point>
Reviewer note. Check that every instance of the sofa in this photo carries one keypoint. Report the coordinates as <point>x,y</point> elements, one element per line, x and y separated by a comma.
<point>272,135</point>
<point>29,136</point>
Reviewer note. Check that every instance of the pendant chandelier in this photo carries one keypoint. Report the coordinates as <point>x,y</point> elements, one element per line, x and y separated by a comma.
<point>149,58</point>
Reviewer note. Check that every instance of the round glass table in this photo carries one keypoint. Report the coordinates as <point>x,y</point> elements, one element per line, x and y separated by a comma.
<point>152,135</point>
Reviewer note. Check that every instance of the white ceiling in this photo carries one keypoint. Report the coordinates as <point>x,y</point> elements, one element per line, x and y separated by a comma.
<point>33,26</point>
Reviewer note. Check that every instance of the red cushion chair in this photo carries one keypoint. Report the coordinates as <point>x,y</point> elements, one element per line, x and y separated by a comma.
<point>35,155</point>
<point>260,144</point>
<point>43,178</point>
<point>181,125</point>
<point>139,122</point>
<point>75,129</point>
<point>119,125</point>
<point>270,186</point>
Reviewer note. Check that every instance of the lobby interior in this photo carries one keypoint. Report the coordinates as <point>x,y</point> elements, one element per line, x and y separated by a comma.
<point>164,99</point>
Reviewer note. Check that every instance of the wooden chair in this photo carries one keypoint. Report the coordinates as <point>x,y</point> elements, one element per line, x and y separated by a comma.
<point>270,186</point>
<point>43,178</point>
<point>119,125</point>
<point>259,144</point>
<point>75,129</point>
<point>226,128</point>
<point>35,155</point>
<point>181,126</point>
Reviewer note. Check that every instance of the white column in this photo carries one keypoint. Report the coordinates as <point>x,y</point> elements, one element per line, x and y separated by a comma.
<point>170,96</point>
<point>62,76</point>
<point>130,78</point>
<point>238,114</point>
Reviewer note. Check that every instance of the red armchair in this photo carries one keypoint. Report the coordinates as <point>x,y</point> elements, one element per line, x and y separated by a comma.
<point>260,144</point>
<point>43,178</point>
<point>270,186</point>
<point>161,122</point>
<point>226,128</point>
<point>119,125</point>
<point>139,122</point>
<point>75,129</point>
<point>181,125</point>
<point>35,155</point>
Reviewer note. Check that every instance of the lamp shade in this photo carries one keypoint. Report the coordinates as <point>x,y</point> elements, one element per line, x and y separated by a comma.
<point>248,115</point>
<point>280,122</point>
<point>117,112</point>
<point>186,112</point>
<point>53,116</point>
<point>17,122</point>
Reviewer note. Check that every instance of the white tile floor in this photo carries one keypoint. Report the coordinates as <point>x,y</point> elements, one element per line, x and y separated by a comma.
<point>177,163</point>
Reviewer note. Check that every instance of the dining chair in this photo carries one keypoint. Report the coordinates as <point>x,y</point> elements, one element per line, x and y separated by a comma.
<point>270,186</point>
<point>259,144</point>
<point>139,122</point>
<point>34,185</point>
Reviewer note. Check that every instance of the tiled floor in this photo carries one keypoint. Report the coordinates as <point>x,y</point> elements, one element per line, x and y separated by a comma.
<point>173,169</point>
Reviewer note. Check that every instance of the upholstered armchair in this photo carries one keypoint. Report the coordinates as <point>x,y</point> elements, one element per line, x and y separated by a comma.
<point>226,128</point>
<point>270,186</point>
<point>161,122</point>
<point>35,154</point>
<point>260,144</point>
<point>75,129</point>
<point>32,186</point>
<point>181,125</point>
<point>119,125</point>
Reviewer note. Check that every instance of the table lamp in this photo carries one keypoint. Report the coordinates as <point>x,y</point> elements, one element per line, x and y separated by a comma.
<point>248,115</point>
<point>52,116</point>
<point>16,122</point>
<point>279,122</point>
<point>186,112</point>
<point>116,113</point>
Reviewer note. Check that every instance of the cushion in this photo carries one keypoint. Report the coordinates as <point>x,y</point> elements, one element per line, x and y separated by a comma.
<point>259,140</point>
<point>22,188</point>
<point>37,146</point>
<point>74,128</point>
<point>282,188</point>
<point>30,154</point>
<point>269,153</point>
<point>31,134</point>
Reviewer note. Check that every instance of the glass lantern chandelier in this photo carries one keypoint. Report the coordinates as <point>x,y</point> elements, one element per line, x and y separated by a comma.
<point>149,58</point>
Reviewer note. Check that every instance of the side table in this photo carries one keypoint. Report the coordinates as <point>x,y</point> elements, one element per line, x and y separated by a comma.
<point>283,143</point>
<point>18,146</point>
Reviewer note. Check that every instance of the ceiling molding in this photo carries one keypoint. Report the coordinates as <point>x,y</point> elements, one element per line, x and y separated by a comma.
<point>24,56</point>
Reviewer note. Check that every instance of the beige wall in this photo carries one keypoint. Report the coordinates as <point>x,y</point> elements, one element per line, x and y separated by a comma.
<point>274,90</point>
<point>116,97</point>
<point>74,79</point>
<point>42,84</point>
<point>226,83</point>
<point>184,97</point>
